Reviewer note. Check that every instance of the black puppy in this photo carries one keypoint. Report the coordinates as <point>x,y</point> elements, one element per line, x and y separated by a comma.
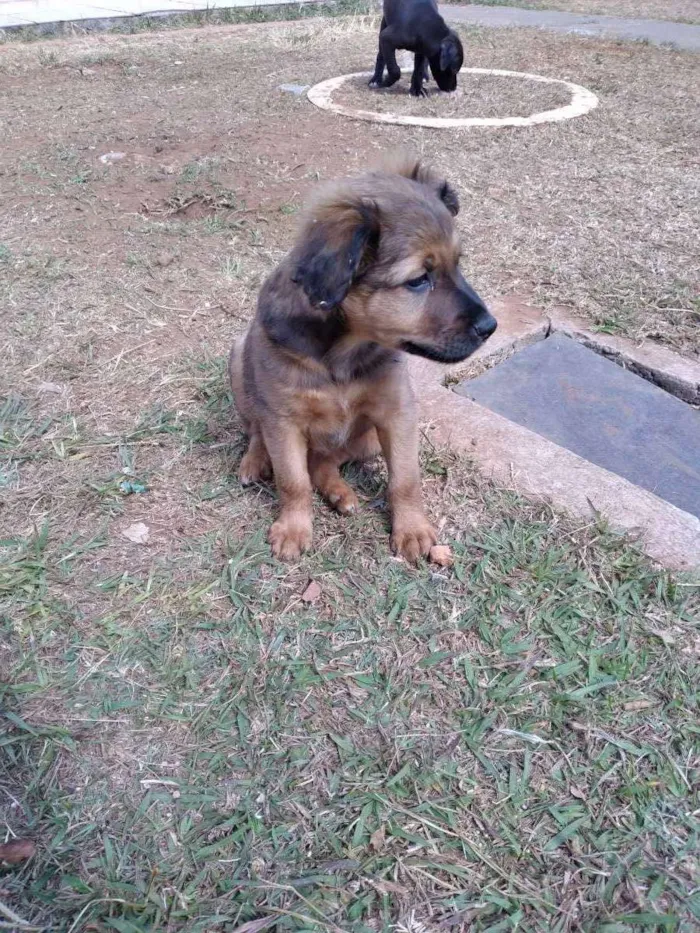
<point>417,26</point>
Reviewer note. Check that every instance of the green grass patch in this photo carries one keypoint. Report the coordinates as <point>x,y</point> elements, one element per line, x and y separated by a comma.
<point>511,744</point>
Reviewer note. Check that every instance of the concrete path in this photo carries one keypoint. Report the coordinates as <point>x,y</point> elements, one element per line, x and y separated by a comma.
<point>16,13</point>
<point>658,32</point>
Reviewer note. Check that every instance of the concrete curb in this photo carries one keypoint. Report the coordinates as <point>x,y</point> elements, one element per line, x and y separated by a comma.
<point>582,101</point>
<point>518,458</point>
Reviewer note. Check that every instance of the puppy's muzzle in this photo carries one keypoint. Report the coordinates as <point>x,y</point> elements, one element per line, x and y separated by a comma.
<point>474,313</point>
<point>469,328</point>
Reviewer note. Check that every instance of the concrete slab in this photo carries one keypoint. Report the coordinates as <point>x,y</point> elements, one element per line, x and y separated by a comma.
<point>657,364</point>
<point>534,466</point>
<point>658,32</point>
<point>600,411</point>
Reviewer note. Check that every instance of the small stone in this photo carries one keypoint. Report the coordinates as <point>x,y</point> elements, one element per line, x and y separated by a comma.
<point>109,157</point>
<point>164,259</point>
<point>296,89</point>
<point>441,554</point>
<point>167,169</point>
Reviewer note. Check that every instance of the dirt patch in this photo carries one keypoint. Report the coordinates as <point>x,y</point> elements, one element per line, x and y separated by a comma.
<point>476,96</point>
<point>217,161</point>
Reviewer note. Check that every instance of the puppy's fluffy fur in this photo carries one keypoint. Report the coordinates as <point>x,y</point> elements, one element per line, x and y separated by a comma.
<point>320,377</point>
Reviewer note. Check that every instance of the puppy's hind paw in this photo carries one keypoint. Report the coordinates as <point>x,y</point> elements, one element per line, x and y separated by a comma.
<point>254,469</point>
<point>342,498</point>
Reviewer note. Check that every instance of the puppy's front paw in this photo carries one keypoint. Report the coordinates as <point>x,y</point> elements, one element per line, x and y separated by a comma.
<point>289,538</point>
<point>418,92</point>
<point>374,83</point>
<point>413,539</point>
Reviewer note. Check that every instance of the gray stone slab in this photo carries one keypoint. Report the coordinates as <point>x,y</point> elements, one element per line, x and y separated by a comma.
<point>600,411</point>
<point>656,31</point>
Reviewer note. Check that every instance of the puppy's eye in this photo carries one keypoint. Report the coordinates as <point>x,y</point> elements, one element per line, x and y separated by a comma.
<point>418,285</point>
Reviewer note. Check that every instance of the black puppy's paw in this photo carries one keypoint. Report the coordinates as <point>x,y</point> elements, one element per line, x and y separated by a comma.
<point>418,92</point>
<point>391,79</point>
<point>375,83</point>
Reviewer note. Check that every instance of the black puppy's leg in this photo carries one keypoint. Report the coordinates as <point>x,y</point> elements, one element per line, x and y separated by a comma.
<point>418,76</point>
<point>426,71</point>
<point>376,79</point>
<point>387,50</point>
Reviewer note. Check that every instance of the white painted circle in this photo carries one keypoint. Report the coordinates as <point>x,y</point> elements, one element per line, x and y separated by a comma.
<point>582,100</point>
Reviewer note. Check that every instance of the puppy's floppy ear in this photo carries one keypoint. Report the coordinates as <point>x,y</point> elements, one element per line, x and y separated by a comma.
<point>335,241</point>
<point>451,54</point>
<point>426,176</point>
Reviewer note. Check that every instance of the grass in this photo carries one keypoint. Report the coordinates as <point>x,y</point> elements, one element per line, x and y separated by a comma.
<point>512,744</point>
<point>680,11</point>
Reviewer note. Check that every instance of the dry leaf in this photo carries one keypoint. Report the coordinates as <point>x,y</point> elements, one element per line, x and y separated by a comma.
<point>376,840</point>
<point>253,926</point>
<point>50,387</point>
<point>635,705</point>
<point>19,850</point>
<point>665,637</point>
<point>312,592</point>
<point>441,554</point>
<point>387,887</point>
<point>577,792</point>
<point>138,533</point>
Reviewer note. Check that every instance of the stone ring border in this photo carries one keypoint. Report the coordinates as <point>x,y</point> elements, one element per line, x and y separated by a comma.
<point>582,101</point>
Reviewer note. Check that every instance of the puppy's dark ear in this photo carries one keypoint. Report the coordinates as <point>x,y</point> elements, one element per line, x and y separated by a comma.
<point>334,243</point>
<point>426,176</point>
<point>451,54</point>
<point>448,196</point>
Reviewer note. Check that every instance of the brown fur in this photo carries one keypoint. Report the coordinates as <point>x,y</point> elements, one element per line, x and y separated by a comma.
<point>320,377</point>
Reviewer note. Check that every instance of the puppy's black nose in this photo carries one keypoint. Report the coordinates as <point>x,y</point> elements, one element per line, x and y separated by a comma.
<point>485,325</point>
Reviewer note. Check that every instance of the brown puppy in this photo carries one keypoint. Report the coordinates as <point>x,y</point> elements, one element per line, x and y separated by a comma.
<point>320,378</point>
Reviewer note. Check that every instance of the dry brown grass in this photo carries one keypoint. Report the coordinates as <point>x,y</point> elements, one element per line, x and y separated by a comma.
<point>476,96</point>
<point>599,213</point>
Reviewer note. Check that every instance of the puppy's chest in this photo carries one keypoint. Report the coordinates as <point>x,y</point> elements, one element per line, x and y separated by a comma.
<point>330,418</point>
